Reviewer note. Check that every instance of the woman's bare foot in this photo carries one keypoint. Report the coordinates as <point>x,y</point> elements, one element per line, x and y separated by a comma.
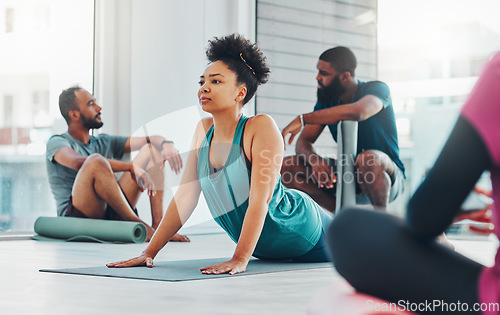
<point>175,238</point>
<point>180,238</point>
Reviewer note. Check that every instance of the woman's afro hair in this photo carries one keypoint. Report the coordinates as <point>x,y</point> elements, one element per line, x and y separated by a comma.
<point>250,67</point>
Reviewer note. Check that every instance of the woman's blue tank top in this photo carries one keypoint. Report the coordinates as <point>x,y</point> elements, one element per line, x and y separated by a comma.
<point>293,224</point>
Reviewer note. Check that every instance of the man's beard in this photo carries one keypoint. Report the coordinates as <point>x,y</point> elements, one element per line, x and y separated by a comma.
<point>330,92</point>
<point>91,123</point>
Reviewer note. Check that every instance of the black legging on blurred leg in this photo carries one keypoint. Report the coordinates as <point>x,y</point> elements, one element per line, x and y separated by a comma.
<point>398,260</point>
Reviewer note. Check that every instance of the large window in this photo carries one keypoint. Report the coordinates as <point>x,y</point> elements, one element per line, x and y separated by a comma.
<point>46,46</point>
<point>430,54</point>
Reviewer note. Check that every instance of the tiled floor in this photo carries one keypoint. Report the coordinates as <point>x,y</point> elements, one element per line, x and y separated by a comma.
<point>25,290</point>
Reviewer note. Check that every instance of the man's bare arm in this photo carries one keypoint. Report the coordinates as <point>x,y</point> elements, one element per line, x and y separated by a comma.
<point>136,143</point>
<point>363,109</point>
<point>168,151</point>
<point>68,157</point>
<point>305,144</point>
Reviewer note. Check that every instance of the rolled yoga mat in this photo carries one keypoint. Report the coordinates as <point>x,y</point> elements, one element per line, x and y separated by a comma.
<point>84,230</point>
<point>347,146</point>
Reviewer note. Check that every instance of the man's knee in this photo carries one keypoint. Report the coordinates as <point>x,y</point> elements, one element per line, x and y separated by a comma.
<point>368,161</point>
<point>372,164</point>
<point>96,162</point>
<point>288,169</point>
<point>292,171</point>
<point>289,163</point>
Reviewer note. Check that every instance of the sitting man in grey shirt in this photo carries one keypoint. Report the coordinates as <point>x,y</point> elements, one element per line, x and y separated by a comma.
<point>81,167</point>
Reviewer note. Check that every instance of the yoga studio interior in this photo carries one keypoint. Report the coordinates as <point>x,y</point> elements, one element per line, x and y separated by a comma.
<point>142,60</point>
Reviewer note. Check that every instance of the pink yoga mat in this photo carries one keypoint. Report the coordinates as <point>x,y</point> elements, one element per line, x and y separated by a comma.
<point>340,298</point>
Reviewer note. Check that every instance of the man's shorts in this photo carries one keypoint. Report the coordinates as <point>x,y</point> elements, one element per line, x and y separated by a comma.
<point>397,185</point>
<point>111,214</point>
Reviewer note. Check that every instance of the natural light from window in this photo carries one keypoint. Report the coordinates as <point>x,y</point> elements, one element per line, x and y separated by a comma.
<point>46,46</point>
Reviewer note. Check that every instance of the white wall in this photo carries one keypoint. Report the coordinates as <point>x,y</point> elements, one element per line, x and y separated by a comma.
<point>149,56</point>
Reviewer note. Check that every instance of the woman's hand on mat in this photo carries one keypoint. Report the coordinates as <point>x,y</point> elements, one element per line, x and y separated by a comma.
<point>142,260</point>
<point>232,267</point>
<point>170,153</point>
<point>293,129</point>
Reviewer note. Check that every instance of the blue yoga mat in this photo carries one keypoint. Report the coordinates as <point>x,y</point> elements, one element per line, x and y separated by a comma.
<point>183,270</point>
